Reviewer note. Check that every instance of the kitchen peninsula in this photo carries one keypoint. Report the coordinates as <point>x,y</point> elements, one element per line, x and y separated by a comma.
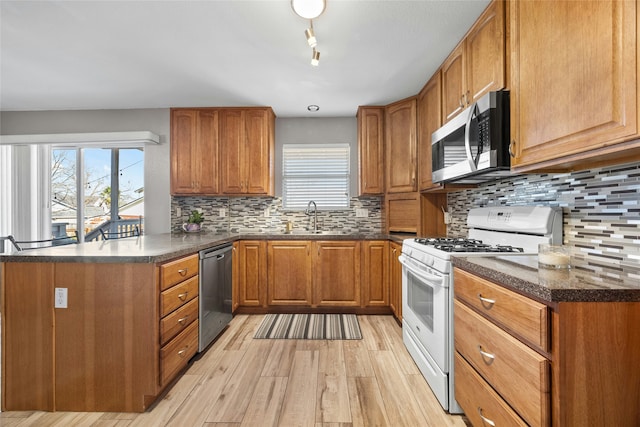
<point>88,327</point>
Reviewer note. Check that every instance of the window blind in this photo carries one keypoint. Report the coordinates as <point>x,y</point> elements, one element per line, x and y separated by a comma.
<point>318,172</point>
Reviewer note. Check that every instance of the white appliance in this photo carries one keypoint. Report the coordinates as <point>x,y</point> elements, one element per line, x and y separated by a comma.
<point>427,282</point>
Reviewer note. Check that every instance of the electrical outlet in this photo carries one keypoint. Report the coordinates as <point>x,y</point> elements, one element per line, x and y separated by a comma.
<point>362,213</point>
<point>447,218</point>
<point>60,298</point>
<point>178,211</point>
<point>222,212</point>
<point>267,213</point>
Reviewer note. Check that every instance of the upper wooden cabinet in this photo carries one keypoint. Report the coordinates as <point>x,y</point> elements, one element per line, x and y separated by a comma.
<point>429,120</point>
<point>400,141</point>
<point>371,150</point>
<point>194,151</point>
<point>574,74</point>
<point>477,65</point>
<point>247,151</point>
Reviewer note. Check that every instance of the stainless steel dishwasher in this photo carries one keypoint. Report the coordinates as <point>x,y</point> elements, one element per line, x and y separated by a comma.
<point>215,293</point>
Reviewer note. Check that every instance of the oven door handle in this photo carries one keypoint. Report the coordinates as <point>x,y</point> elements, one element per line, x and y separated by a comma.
<point>430,278</point>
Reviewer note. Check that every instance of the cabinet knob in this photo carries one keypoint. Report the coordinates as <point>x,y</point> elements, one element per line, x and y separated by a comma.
<point>512,146</point>
<point>461,101</point>
<point>466,98</point>
<point>182,352</point>
<point>183,296</point>
<point>183,271</point>
<point>486,302</point>
<point>183,320</point>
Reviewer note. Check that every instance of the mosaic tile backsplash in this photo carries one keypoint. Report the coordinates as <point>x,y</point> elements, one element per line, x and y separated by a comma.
<point>601,208</point>
<point>265,214</point>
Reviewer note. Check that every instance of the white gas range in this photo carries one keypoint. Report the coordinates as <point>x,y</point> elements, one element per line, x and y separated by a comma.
<point>427,282</point>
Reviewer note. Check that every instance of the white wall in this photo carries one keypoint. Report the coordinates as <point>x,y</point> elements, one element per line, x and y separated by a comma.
<point>156,176</point>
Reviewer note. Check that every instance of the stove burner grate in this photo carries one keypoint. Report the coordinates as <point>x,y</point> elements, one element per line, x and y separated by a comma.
<point>448,244</point>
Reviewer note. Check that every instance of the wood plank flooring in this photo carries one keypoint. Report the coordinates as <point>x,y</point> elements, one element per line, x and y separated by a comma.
<point>241,382</point>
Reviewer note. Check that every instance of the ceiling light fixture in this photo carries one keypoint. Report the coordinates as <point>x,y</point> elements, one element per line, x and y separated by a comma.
<point>308,9</point>
<point>315,58</point>
<point>313,108</point>
<point>311,36</point>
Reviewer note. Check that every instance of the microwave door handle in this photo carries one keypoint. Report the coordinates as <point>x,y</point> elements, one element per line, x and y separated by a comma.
<point>467,140</point>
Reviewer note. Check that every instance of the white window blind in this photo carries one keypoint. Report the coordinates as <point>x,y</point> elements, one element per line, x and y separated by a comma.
<point>318,172</point>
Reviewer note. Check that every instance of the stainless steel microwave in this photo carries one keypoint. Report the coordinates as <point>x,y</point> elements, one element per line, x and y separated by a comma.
<point>474,146</point>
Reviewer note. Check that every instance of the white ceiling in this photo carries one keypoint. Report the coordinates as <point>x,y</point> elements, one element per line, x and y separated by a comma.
<point>61,55</point>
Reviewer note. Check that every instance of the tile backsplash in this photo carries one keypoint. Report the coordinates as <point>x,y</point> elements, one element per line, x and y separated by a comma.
<point>601,208</point>
<point>265,214</point>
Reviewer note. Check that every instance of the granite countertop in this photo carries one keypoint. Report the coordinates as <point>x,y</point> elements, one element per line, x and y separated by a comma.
<point>153,248</point>
<point>585,281</point>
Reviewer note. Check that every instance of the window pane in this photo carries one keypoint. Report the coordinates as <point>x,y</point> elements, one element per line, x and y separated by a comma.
<point>315,172</point>
<point>64,198</point>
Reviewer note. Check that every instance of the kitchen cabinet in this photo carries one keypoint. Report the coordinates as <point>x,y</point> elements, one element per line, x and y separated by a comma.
<point>247,151</point>
<point>194,152</point>
<point>567,364</point>
<point>400,142</point>
<point>114,347</point>
<point>289,273</point>
<point>336,273</point>
<point>403,212</point>
<point>251,273</point>
<point>574,75</point>
<point>371,150</point>
<point>477,65</point>
<point>395,280</point>
<point>429,107</point>
<point>375,273</point>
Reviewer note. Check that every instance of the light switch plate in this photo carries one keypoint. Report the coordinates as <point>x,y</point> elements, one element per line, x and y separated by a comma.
<point>178,211</point>
<point>362,213</point>
<point>222,212</point>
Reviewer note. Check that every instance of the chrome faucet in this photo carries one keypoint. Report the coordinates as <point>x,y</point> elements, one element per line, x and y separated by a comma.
<point>315,214</point>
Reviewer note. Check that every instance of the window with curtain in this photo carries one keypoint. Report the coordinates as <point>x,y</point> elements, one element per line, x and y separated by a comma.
<point>318,172</point>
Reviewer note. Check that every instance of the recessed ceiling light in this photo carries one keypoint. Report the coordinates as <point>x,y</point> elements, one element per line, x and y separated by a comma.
<point>313,108</point>
<point>308,9</point>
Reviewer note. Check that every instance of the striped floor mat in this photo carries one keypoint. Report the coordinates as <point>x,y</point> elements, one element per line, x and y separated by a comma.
<point>310,327</point>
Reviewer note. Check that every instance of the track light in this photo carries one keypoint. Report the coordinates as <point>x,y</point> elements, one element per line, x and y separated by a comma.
<point>315,58</point>
<point>311,36</point>
<point>308,9</point>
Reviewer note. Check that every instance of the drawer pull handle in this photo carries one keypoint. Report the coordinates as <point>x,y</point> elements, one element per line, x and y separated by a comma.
<point>183,271</point>
<point>486,356</point>
<point>183,320</point>
<point>485,419</point>
<point>182,352</point>
<point>488,301</point>
<point>183,296</point>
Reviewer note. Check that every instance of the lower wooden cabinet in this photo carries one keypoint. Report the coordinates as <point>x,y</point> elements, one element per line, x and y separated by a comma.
<point>251,273</point>
<point>289,273</point>
<point>375,273</point>
<point>336,273</point>
<point>395,280</point>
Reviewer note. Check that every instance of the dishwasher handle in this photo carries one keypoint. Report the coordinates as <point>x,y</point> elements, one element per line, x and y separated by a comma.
<point>216,251</point>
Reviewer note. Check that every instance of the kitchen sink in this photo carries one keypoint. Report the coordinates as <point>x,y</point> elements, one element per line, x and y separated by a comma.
<point>317,232</point>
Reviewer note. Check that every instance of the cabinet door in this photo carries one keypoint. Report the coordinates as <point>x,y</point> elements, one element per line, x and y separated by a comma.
<point>375,273</point>
<point>395,280</point>
<point>206,156</point>
<point>453,84</point>
<point>429,120</point>
<point>485,53</point>
<point>252,273</point>
<point>336,273</point>
<point>289,271</point>
<point>258,162</point>
<point>574,81</point>
<point>183,143</point>
<point>232,151</point>
<point>371,150</point>
<point>400,123</point>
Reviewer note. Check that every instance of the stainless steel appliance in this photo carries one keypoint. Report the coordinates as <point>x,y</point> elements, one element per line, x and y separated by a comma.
<point>215,293</point>
<point>474,146</point>
<point>427,282</point>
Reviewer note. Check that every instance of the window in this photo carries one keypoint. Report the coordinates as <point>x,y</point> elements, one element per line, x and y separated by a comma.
<point>318,172</point>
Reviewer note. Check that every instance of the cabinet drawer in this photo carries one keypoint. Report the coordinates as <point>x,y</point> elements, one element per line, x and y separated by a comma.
<point>520,314</point>
<point>479,400</point>
<point>516,372</point>
<point>176,354</point>
<point>176,271</point>
<point>178,295</point>
<point>176,322</point>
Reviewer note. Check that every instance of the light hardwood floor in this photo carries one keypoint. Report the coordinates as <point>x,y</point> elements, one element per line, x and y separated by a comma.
<point>240,381</point>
